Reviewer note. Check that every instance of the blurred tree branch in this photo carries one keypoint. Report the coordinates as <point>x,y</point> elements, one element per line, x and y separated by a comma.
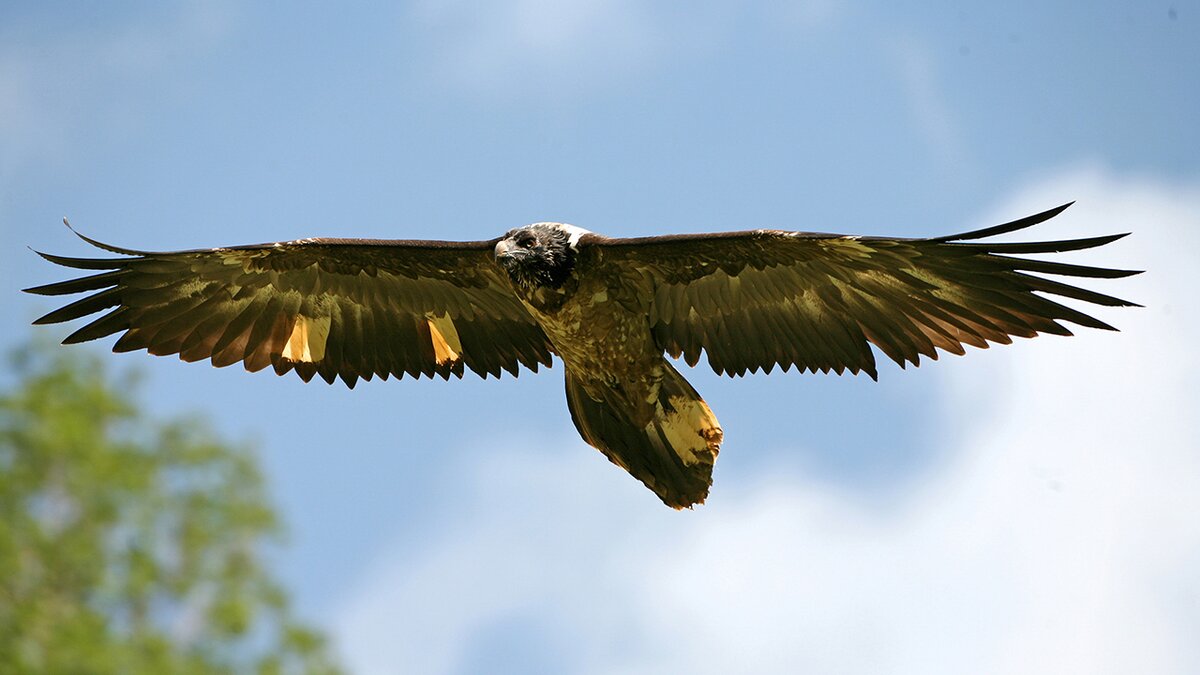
<point>130,545</point>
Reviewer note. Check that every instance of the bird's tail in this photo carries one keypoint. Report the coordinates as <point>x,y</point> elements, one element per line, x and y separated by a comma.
<point>673,454</point>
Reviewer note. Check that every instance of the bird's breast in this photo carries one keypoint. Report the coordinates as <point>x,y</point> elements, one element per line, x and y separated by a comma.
<point>595,332</point>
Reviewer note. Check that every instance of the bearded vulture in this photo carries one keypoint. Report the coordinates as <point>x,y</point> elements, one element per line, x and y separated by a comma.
<point>609,308</point>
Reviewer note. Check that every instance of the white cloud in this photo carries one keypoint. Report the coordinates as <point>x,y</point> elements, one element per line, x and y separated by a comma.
<point>516,46</point>
<point>48,92</point>
<point>1061,537</point>
<point>808,13</point>
<point>525,43</point>
<point>927,102</point>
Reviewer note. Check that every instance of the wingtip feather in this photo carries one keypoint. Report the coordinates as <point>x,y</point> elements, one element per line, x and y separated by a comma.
<point>1011,226</point>
<point>108,247</point>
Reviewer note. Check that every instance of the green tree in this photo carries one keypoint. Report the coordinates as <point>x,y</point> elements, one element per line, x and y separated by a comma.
<point>129,545</point>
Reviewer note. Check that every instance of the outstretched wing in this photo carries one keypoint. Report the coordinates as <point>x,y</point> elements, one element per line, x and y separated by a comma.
<point>343,308</point>
<point>762,298</point>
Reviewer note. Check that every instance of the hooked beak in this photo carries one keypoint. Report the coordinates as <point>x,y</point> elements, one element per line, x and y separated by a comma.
<point>508,254</point>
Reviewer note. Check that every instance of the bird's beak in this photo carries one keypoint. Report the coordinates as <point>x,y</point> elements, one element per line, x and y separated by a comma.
<point>502,248</point>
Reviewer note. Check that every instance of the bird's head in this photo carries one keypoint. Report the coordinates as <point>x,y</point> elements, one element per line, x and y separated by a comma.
<point>539,255</point>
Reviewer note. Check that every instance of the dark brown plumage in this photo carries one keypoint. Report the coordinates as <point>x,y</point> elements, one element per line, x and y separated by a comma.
<point>610,308</point>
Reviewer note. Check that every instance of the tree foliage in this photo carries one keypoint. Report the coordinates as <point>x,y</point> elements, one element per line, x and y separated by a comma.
<point>130,545</point>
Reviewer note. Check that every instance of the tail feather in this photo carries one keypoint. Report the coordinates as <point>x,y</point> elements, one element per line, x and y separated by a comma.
<point>672,454</point>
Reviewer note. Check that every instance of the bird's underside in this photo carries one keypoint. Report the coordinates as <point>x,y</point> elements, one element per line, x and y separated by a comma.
<point>609,308</point>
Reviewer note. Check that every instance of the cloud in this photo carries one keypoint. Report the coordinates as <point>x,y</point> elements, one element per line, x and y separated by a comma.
<point>94,71</point>
<point>515,47</point>
<point>1060,537</point>
<point>927,102</point>
<point>527,44</point>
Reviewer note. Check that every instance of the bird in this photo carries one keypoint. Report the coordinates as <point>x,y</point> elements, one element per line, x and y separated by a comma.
<point>618,313</point>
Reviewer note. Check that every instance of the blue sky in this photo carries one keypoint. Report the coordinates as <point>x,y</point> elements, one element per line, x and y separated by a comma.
<point>1030,507</point>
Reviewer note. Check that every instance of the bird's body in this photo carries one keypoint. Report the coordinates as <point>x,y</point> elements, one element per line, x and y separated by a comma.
<point>611,309</point>
<point>593,331</point>
<point>625,398</point>
<point>593,324</point>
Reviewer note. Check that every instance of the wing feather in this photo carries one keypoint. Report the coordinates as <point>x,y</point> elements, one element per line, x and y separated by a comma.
<point>753,300</point>
<point>338,308</point>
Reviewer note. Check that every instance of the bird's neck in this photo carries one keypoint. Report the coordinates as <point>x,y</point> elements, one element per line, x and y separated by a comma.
<point>547,300</point>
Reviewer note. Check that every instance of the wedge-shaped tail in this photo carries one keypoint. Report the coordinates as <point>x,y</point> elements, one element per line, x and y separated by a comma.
<point>672,454</point>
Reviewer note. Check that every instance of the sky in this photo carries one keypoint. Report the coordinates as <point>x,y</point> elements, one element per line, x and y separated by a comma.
<point>1024,509</point>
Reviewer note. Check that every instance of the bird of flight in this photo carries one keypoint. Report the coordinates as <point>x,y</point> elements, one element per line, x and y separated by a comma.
<point>611,309</point>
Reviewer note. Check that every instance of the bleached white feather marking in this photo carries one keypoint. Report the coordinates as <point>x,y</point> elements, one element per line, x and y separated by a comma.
<point>573,233</point>
<point>307,341</point>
